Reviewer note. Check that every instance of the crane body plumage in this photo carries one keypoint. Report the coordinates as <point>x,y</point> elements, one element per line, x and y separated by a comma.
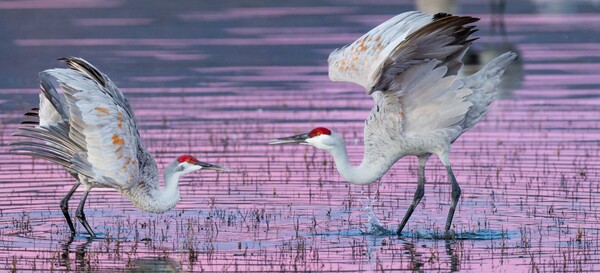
<point>372,168</point>
<point>410,66</point>
<point>389,149</point>
<point>91,131</point>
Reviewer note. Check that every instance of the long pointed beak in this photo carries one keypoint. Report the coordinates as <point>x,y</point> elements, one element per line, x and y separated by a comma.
<point>296,139</point>
<point>208,166</point>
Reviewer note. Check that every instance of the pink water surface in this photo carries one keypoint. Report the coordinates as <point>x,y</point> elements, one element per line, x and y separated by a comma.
<point>528,172</point>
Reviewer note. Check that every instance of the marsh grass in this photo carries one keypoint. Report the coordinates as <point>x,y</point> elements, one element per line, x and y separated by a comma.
<point>528,171</point>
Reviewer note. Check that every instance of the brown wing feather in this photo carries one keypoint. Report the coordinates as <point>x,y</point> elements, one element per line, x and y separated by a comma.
<point>444,39</point>
<point>416,89</point>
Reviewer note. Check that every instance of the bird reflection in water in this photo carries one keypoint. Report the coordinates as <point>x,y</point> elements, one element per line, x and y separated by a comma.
<point>84,259</point>
<point>161,264</point>
<point>81,258</point>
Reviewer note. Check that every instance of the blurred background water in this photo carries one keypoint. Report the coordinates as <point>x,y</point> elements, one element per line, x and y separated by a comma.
<point>218,79</point>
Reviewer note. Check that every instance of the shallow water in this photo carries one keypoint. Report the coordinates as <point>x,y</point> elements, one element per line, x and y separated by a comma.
<point>219,79</point>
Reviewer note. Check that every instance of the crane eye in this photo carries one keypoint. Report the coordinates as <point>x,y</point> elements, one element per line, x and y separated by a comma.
<point>319,131</point>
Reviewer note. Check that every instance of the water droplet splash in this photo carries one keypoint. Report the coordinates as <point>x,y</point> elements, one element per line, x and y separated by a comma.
<point>374,226</point>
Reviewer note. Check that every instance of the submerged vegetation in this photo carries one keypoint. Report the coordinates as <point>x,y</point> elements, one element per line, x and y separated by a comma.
<point>528,172</point>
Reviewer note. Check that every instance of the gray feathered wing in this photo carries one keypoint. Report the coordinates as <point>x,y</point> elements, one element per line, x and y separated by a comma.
<point>412,79</point>
<point>91,130</point>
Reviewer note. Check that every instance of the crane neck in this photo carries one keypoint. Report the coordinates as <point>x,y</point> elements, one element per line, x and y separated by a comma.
<point>151,197</point>
<point>169,195</point>
<point>365,173</point>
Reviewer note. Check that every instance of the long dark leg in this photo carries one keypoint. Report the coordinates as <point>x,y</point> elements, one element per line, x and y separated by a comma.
<point>455,194</point>
<point>64,206</point>
<point>81,216</point>
<point>418,194</point>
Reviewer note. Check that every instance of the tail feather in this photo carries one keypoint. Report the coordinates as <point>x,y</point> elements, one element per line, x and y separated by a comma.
<point>41,148</point>
<point>34,112</point>
<point>43,155</point>
<point>30,122</point>
<point>484,84</point>
<point>52,135</point>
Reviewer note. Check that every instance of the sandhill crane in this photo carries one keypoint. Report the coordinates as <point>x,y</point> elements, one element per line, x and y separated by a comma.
<point>90,130</point>
<point>409,66</point>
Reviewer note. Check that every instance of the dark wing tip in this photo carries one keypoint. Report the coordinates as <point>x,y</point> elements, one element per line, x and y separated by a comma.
<point>440,15</point>
<point>30,122</point>
<point>470,41</point>
<point>436,32</point>
<point>455,20</point>
<point>464,19</point>
<point>83,66</point>
<point>69,59</point>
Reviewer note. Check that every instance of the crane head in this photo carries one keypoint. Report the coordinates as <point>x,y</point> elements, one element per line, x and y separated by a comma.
<point>188,164</point>
<point>319,137</point>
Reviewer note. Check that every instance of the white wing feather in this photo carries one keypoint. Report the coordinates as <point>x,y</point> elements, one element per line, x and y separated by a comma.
<point>412,79</point>
<point>47,113</point>
<point>102,122</point>
<point>361,61</point>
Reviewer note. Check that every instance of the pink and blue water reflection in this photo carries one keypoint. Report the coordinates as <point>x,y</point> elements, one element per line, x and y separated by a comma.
<point>218,80</point>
